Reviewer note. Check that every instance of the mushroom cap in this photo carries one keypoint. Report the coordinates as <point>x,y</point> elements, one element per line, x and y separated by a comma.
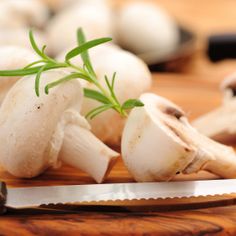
<point>32,128</point>
<point>20,37</point>
<point>132,79</point>
<point>151,150</point>
<point>144,27</point>
<point>15,13</point>
<point>13,57</point>
<point>58,5</point>
<point>94,18</point>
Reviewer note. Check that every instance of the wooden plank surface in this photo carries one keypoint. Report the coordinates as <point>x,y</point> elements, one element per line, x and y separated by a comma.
<point>196,96</point>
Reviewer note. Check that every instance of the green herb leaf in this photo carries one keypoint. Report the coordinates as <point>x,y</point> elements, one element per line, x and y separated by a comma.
<point>63,80</point>
<point>37,79</point>
<point>29,71</point>
<point>34,45</point>
<point>98,110</point>
<point>20,72</point>
<point>85,55</point>
<point>104,94</point>
<point>131,103</point>
<point>34,63</point>
<point>84,47</point>
<point>93,94</point>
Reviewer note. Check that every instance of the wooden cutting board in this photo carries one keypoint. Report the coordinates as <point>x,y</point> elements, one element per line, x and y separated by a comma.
<point>196,95</point>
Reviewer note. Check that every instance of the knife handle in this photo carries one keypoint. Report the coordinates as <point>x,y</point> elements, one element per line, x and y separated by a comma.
<point>222,46</point>
<point>3,197</point>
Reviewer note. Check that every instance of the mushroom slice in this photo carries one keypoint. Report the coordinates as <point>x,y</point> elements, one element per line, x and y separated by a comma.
<point>32,128</point>
<point>219,124</point>
<point>158,143</point>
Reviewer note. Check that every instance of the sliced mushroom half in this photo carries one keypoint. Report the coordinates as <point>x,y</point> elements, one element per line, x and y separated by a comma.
<point>158,142</point>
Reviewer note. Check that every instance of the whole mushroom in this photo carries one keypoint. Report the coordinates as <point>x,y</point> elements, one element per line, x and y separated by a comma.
<point>222,120</point>
<point>58,5</point>
<point>147,30</point>
<point>94,17</point>
<point>23,13</point>
<point>39,132</point>
<point>158,143</point>
<point>19,37</point>
<point>13,57</point>
<point>132,79</point>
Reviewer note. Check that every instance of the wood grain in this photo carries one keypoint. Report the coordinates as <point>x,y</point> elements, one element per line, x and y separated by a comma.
<point>215,221</point>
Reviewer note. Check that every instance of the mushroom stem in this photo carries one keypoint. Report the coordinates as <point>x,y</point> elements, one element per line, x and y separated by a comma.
<point>223,162</point>
<point>222,123</point>
<point>83,150</point>
<point>223,165</point>
<point>222,120</point>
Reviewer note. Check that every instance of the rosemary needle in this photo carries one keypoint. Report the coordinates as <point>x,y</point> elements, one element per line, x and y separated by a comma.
<point>105,95</point>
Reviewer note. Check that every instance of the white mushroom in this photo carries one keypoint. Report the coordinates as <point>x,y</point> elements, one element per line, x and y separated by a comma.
<point>57,5</point>
<point>158,143</point>
<point>13,57</point>
<point>132,79</point>
<point>146,29</point>
<point>93,17</point>
<point>19,37</point>
<point>32,130</point>
<point>220,124</point>
<point>15,13</point>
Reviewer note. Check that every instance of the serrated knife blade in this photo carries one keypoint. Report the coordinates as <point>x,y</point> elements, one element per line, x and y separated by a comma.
<point>74,194</point>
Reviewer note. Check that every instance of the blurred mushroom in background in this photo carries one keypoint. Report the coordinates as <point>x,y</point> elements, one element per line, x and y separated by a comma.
<point>15,13</point>
<point>57,5</point>
<point>132,79</point>
<point>17,17</point>
<point>147,30</point>
<point>95,17</point>
<point>20,37</point>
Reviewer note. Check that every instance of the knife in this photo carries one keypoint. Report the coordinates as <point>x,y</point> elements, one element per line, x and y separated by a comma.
<point>31,197</point>
<point>222,46</point>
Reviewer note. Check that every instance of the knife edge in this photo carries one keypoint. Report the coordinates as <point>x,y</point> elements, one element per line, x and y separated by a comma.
<point>102,193</point>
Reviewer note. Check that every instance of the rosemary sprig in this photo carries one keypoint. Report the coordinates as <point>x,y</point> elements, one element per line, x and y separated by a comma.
<point>105,95</point>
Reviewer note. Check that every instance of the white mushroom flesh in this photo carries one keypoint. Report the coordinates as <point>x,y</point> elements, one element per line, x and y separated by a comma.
<point>158,142</point>
<point>83,150</point>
